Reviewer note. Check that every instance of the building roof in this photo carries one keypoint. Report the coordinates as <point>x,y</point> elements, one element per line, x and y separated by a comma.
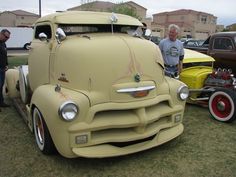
<point>131,2</point>
<point>182,12</point>
<point>22,12</point>
<point>103,5</point>
<point>98,4</point>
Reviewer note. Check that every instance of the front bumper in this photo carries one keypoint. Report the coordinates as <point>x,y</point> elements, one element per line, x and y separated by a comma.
<point>127,130</point>
<point>108,150</point>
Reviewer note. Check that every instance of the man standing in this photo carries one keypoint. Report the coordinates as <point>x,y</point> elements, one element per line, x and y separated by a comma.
<point>4,36</point>
<point>172,52</point>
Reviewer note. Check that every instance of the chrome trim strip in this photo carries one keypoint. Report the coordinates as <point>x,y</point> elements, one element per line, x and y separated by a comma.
<point>136,89</point>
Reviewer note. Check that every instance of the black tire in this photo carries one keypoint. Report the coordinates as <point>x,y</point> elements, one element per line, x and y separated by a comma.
<point>222,105</point>
<point>42,135</point>
<point>26,46</point>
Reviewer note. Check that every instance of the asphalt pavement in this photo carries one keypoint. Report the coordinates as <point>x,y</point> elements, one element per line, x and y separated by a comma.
<point>17,52</point>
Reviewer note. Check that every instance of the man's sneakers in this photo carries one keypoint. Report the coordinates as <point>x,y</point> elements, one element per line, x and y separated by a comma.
<point>4,105</point>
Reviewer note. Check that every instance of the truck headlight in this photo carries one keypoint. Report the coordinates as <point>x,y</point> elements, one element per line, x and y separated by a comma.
<point>183,92</point>
<point>68,110</point>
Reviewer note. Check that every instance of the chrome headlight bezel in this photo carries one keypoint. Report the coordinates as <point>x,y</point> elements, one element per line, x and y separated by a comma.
<point>68,110</point>
<point>183,92</point>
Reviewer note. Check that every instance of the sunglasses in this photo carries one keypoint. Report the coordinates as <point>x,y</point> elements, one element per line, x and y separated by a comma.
<point>7,37</point>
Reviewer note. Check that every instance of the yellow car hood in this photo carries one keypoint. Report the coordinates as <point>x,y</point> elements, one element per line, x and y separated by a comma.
<point>191,56</point>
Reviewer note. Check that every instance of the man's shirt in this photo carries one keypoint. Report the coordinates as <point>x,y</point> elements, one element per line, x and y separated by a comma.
<point>171,51</point>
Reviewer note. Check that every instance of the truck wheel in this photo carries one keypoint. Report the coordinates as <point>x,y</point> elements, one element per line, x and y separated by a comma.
<point>222,105</point>
<point>26,46</point>
<point>42,135</point>
<point>12,76</point>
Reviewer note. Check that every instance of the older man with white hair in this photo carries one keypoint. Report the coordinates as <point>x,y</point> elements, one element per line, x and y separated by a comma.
<point>172,52</point>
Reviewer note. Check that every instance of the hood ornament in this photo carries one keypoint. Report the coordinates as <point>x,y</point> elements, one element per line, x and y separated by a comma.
<point>137,77</point>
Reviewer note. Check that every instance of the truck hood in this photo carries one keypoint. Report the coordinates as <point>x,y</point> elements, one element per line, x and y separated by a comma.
<point>109,68</point>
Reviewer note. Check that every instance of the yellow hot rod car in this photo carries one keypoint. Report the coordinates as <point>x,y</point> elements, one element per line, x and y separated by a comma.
<point>208,86</point>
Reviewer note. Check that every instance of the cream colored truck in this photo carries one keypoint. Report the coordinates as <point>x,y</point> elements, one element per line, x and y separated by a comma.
<point>93,87</point>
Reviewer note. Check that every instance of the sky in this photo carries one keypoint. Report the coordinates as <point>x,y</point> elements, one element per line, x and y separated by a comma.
<point>224,10</point>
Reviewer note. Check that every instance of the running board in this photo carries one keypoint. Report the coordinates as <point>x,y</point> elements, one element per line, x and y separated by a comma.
<point>23,110</point>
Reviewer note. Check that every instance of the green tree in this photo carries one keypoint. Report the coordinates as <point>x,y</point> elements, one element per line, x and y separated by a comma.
<point>122,8</point>
<point>225,30</point>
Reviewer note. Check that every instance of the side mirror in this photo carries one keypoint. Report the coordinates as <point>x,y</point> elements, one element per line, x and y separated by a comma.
<point>60,35</point>
<point>148,32</point>
<point>43,37</point>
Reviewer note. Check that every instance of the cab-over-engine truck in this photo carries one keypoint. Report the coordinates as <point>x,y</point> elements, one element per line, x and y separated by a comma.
<point>93,87</point>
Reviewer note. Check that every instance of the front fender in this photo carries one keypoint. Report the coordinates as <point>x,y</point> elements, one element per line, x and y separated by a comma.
<point>174,86</point>
<point>48,101</point>
<point>12,76</point>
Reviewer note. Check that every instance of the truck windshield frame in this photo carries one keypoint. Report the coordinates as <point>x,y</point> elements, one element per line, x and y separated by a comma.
<point>71,29</point>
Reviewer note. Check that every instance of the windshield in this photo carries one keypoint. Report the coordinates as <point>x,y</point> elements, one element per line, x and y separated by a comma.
<point>99,28</point>
<point>187,65</point>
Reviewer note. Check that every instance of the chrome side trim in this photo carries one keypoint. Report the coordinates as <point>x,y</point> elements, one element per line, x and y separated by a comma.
<point>136,89</point>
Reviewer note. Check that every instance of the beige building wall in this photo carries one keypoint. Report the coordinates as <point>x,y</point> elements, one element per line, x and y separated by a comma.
<point>199,25</point>
<point>7,19</point>
<point>17,18</point>
<point>25,20</point>
<point>158,30</point>
<point>141,11</point>
<point>148,22</point>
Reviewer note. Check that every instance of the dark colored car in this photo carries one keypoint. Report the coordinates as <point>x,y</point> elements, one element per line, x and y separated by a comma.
<point>222,47</point>
<point>156,39</point>
<point>193,43</point>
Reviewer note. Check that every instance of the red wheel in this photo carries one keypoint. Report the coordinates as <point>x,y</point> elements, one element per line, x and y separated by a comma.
<point>222,105</point>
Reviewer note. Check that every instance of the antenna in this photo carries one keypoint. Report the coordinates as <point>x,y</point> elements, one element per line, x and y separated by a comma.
<point>113,19</point>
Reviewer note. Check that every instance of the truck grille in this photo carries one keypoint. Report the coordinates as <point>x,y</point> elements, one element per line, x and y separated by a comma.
<point>128,126</point>
<point>132,133</point>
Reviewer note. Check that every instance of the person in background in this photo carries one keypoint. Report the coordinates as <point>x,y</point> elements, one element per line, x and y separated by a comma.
<point>4,36</point>
<point>172,52</point>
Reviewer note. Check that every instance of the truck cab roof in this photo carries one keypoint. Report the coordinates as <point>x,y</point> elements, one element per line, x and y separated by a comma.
<point>88,17</point>
<point>229,33</point>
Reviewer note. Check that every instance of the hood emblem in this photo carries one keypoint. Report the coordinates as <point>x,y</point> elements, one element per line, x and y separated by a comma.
<point>63,78</point>
<point>137,77</point>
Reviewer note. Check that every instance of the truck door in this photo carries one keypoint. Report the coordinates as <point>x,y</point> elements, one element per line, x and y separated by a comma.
<point>223,50</point>
<point>39,56</point>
